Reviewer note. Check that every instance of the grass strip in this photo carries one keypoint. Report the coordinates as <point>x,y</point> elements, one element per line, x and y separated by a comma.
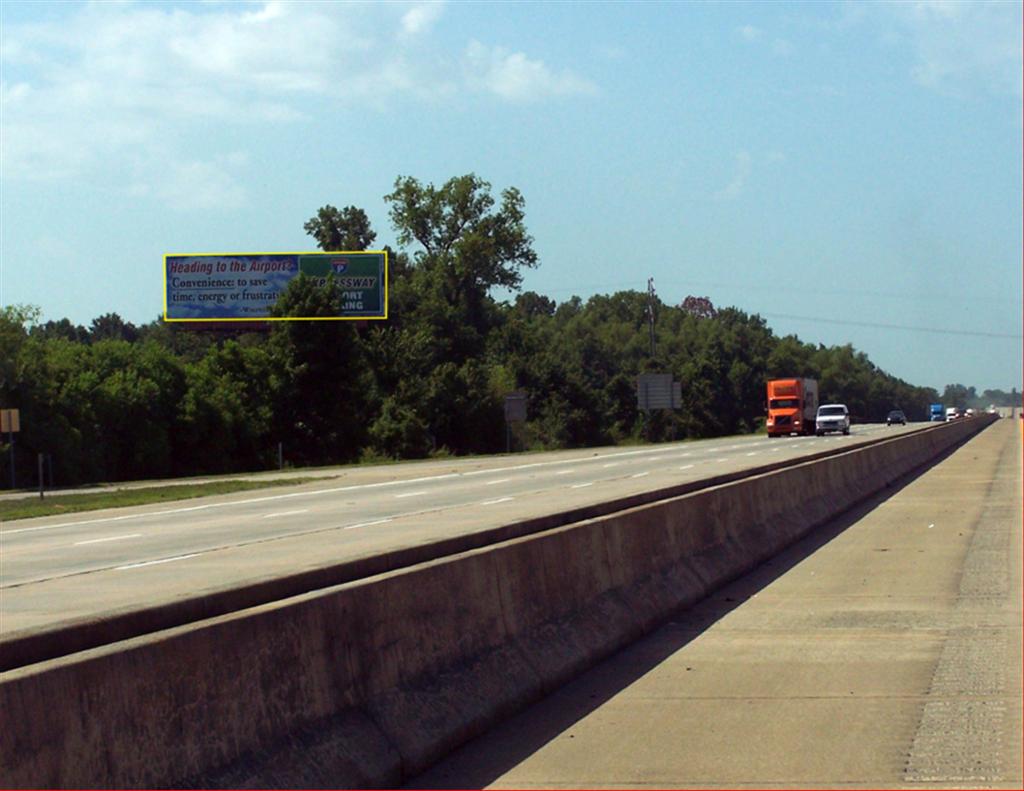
<point>57,504</point>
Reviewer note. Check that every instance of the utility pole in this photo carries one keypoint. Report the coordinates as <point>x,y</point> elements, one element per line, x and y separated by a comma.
<point>651,296</point>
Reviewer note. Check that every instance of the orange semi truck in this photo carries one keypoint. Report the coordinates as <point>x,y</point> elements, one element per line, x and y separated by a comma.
<point>792,406</point>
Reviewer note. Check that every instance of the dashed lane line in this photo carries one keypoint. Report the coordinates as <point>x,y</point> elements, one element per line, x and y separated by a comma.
<point>499,500</point>
<point>368,524</point>
<point>109,538</point>
<point>158,562</point>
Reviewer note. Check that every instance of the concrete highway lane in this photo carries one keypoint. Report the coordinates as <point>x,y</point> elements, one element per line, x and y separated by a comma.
<point>882,651</point>
<point>58,568</point>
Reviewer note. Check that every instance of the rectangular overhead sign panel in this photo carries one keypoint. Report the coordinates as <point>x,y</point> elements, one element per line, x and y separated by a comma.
<point>245,286</point>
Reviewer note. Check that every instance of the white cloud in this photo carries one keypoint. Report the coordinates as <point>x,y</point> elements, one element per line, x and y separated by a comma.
<point>741,173</point>
<point>190,184</point>
<point>959,47</point>
<point>779,46</point>
<point>782,47</point>
<point>195,185</point>
<point>112,83</point>
<point>420,18</point>
<point>613,52</point>
<point>514,76</point>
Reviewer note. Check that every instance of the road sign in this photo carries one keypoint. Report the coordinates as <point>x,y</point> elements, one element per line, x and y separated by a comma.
<point>10,420</point>
<point>515,408</point>
<point>241,287</point>
<point>657,391</point>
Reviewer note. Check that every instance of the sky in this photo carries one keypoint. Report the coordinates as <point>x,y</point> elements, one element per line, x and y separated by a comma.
<point>852,172</point>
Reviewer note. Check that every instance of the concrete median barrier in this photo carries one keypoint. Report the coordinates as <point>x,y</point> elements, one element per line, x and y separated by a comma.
<point>365,683</point>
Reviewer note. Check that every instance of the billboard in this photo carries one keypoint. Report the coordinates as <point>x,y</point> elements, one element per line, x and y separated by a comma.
<point>245,286</point>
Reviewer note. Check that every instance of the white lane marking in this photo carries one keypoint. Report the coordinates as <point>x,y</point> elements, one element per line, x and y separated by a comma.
<point>565,472</point>
<point>686,467</point>
<point>367,524</point>
<point>111,538</point>
<point>752,454</point>
<point>720,460</point>
<point>500,480</point>
<point>411,494</point>
<point>639,475</point>
<point>286,513</point>
<point>157,562</point>
<point>682,455</point>
<point>499,500</point>
<point>613,464</point>
<point>581,485</point>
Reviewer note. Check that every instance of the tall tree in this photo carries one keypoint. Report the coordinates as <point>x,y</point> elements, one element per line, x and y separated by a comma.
<point>468,245</point>
<point>344,229</point>
<point>320,406</point>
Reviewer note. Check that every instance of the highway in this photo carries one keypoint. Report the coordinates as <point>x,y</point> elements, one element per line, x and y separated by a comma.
<point>63,568</point>
<point>882,651</point>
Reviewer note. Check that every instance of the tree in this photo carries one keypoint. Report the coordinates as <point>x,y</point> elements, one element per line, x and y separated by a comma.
<point>319,405</point>
<point>530,304</point>
<point>959,396</point>
<point>111,327</point>
<point>14,323</point>
<point>468,248</point>
<point>700,307</point>
<point>347,229</point>
<point>61,329</point>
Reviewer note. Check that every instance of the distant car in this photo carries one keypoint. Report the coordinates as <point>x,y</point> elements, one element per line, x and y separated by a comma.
<point>970,413</point>
<point>832,417</point>
<point>952,413</point>
<point>894,417</point>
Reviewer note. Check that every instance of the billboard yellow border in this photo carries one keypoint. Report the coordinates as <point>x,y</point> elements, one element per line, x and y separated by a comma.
<point>284,318</point>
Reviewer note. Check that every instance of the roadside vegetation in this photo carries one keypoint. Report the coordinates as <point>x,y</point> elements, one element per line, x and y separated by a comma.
<point>114,401</point>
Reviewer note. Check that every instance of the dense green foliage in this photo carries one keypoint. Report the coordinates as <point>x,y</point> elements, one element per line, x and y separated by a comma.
<point>115,401</point>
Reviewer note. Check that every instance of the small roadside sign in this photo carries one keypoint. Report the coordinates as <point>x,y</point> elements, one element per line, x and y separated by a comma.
<point>10,420</point>
<point>515,407</point>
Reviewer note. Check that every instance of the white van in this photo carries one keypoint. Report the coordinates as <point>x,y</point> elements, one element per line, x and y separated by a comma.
<point>950,413</point>
<point>832,417</point>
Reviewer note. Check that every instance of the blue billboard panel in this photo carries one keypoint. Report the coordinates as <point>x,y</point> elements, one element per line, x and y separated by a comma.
<point>245,286</point>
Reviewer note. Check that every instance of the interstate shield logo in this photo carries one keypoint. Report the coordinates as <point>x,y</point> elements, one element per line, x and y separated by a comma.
<point>339,265</point>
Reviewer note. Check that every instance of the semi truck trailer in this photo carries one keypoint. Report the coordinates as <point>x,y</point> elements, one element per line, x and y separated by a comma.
<point>792,406</point>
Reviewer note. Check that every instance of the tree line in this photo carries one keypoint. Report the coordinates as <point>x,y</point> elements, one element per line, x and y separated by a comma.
<point>114,401</point>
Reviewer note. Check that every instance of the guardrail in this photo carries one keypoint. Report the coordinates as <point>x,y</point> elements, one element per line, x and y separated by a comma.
<point>367,682</point>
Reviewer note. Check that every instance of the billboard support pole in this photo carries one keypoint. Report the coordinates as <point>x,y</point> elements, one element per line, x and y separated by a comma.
<point>650,310</point>
<point>10,437</point>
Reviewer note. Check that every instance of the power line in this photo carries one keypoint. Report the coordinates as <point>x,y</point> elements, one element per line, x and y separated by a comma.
<point>974,333</point>
<point>762,289</point>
